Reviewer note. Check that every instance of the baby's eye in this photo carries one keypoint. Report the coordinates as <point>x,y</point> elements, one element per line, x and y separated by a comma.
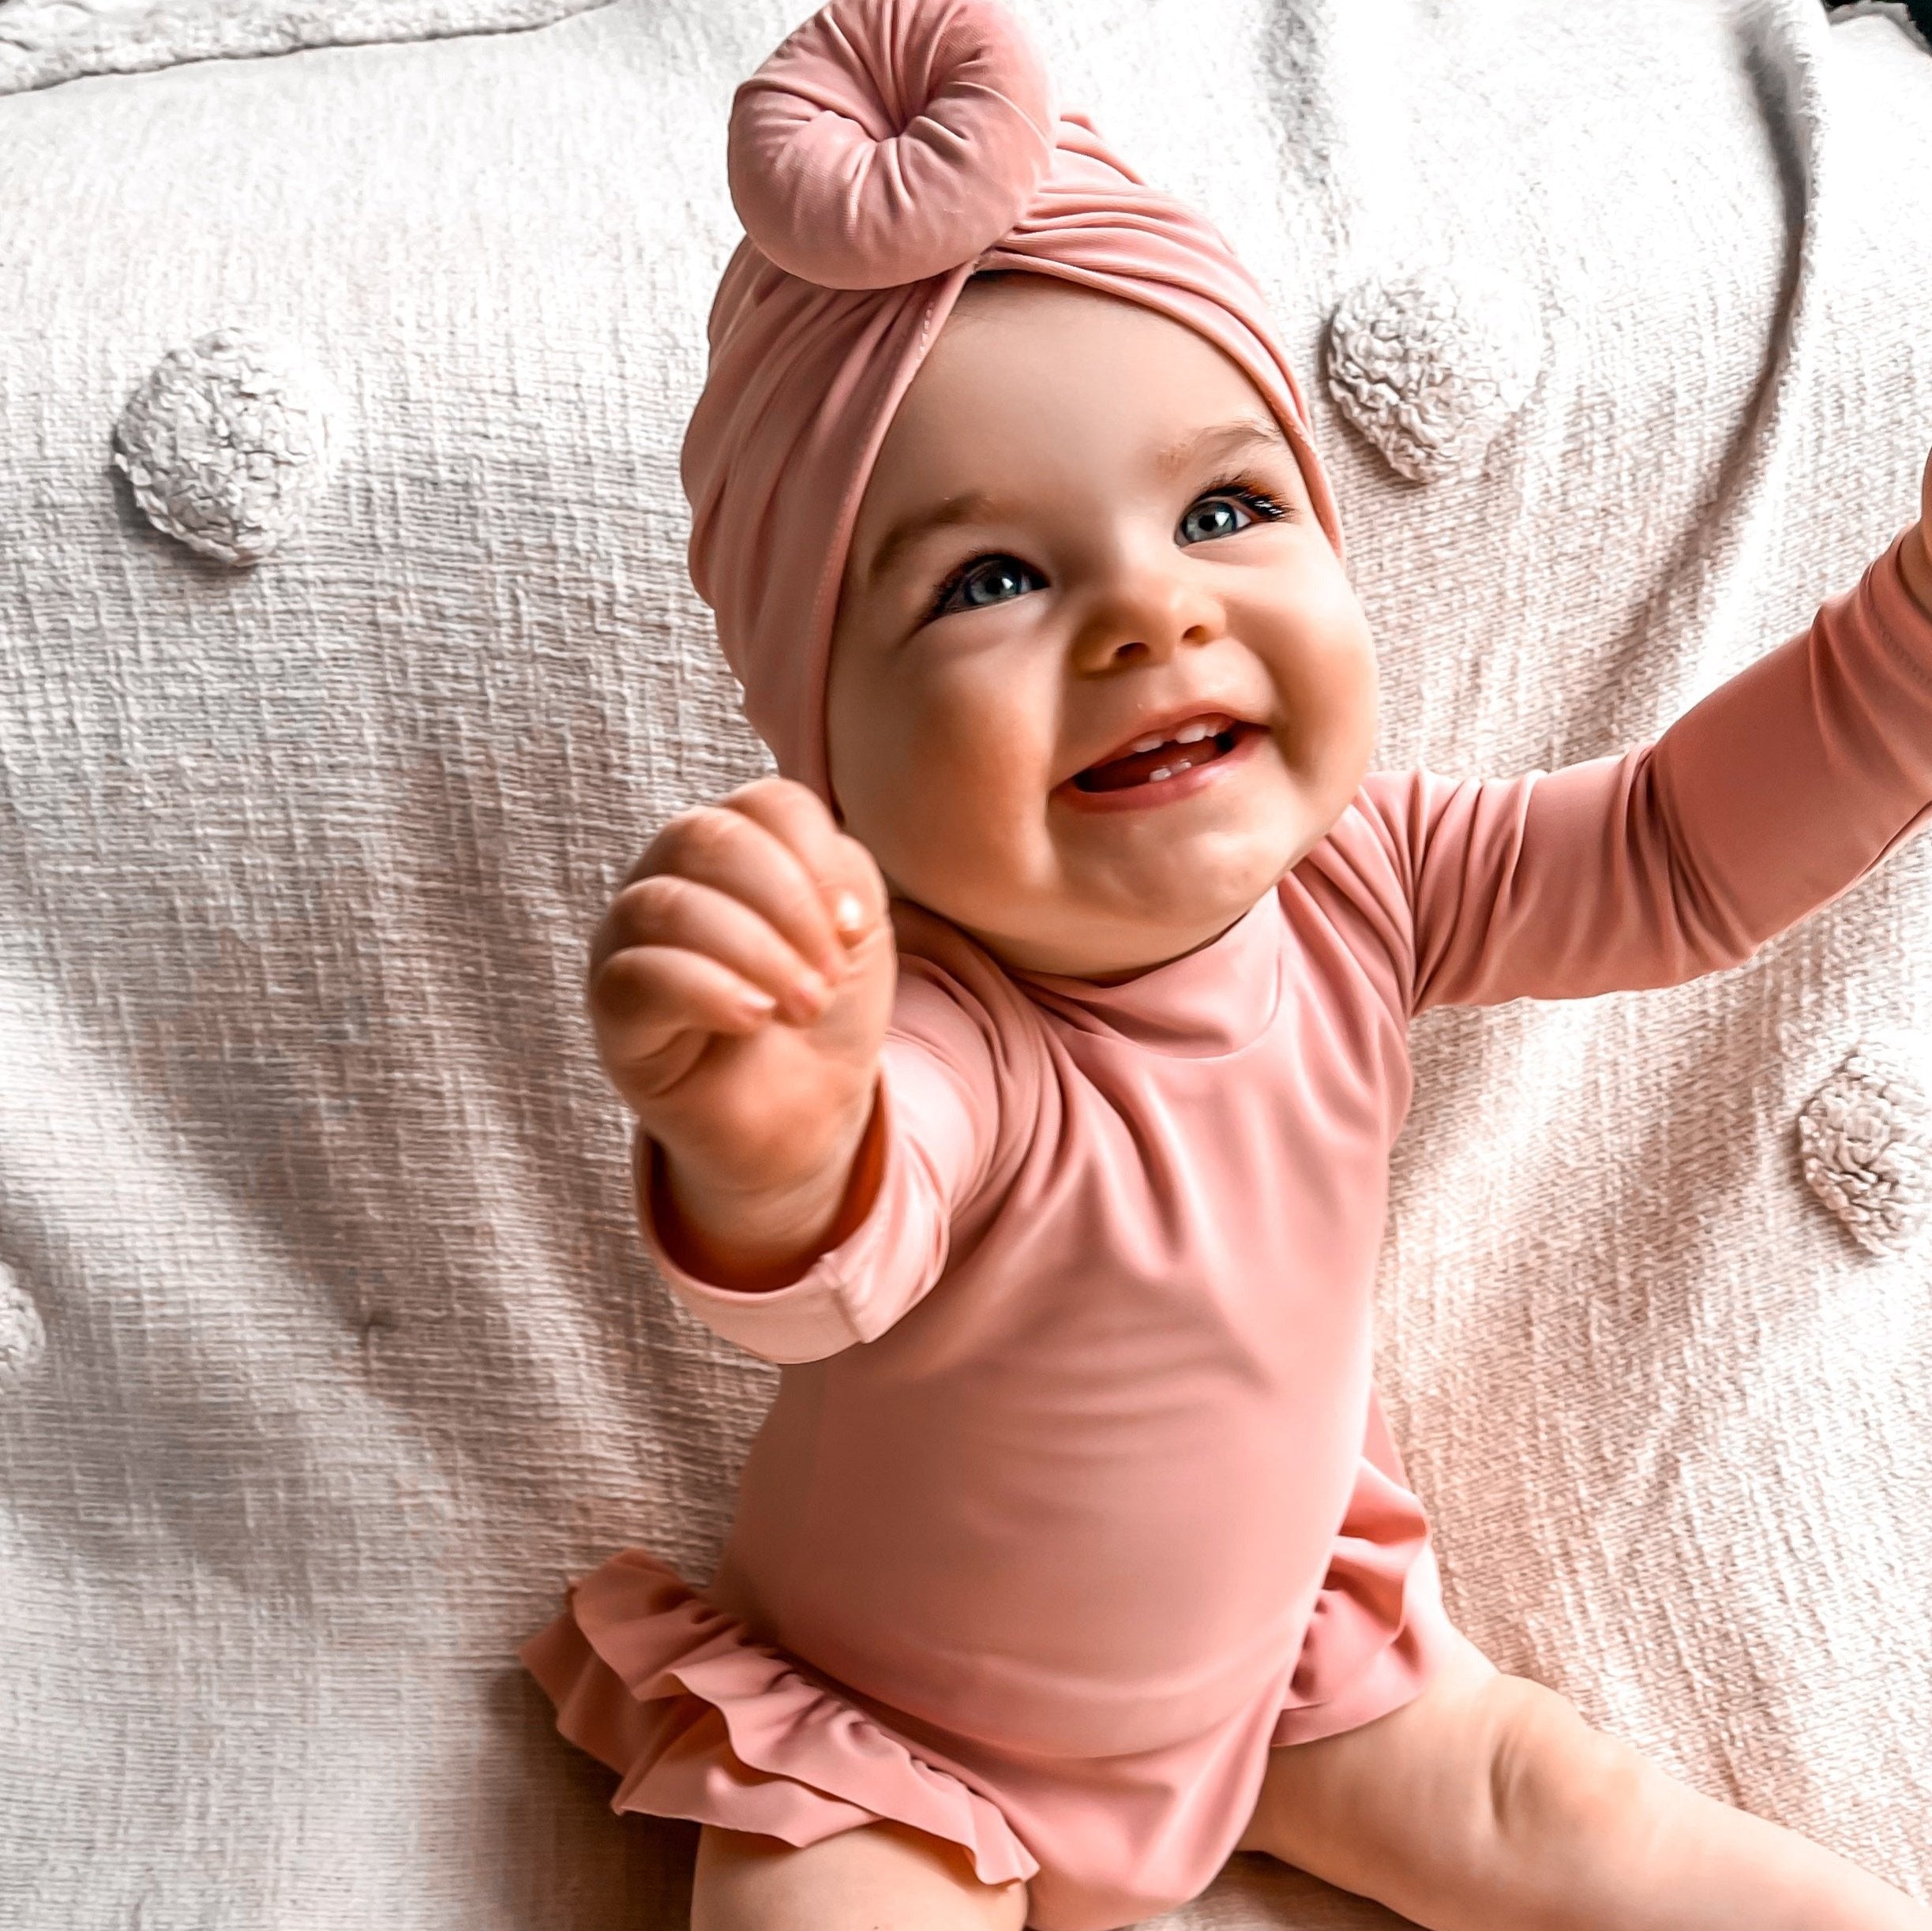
<point>986,579</point>
<point>1224,512</point>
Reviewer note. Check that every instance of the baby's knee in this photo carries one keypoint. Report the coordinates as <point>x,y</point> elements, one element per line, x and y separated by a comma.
<point>1553,1778</point>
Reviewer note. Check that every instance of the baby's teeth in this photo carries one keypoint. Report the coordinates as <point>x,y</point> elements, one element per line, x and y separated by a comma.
<point>1152,776</point>
<point>1193,734</point>
<point>1152,741</point>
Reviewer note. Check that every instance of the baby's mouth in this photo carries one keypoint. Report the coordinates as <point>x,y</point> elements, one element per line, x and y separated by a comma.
<point>1200,741</point>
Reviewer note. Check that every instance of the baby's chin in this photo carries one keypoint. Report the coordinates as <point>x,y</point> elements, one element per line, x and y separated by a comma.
<point>1077,947</point>
<point>1129,921</point>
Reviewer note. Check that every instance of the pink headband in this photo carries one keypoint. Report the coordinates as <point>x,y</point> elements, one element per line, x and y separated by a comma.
<point>886,150</point>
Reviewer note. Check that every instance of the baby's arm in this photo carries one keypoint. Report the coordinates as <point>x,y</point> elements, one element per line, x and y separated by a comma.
<point>738,987</point>
<point>1487,1801</point>
<point>795,1168</point>
<point>1767,799</point>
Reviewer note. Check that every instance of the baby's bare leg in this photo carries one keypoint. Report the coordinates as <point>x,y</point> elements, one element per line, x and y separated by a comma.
<point>878,1877</point>
<point>1488,1804</point>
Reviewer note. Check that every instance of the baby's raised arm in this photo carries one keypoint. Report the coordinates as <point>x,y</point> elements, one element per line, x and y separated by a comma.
<point>739,986</point>
<point>1770,796</point>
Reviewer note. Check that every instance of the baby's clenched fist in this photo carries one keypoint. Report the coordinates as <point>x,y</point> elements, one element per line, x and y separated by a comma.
<point>739,985</point>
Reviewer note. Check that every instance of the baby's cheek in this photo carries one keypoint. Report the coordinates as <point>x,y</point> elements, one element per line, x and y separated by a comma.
<point>1327,685</point>
<point>978,761</point>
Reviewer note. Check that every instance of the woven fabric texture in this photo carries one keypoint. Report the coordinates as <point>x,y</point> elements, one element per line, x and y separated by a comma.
<point>43,42</point>
<point>327,1345</point>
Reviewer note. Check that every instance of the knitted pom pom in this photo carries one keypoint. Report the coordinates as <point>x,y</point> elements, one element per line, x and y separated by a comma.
<point>1431,361</point>
<point>229,442</point>
<point>22,1337</point>
<point>1865,1137</point>
<point>888,140</point>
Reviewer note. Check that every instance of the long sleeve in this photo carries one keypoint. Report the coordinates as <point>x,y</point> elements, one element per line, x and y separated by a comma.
<point>1767,799</point>
<point>938,1105</point>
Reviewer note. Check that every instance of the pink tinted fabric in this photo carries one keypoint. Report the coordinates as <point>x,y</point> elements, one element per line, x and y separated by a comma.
<point>707,1720</point>
<point>888,149</point>
<point>886,143</point>
<point>1075,1485</point>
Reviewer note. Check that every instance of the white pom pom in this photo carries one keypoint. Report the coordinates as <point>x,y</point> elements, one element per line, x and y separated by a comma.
<point>1430,362</point>
<point>22,1337</point>
<point>228,443</point>
<point>1867,1138</point>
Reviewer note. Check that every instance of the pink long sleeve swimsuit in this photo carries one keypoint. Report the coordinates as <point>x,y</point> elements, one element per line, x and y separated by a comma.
<point>1075,1498</point>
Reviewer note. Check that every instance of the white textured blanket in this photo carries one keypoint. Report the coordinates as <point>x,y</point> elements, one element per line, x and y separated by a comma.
<point>327,1345</point>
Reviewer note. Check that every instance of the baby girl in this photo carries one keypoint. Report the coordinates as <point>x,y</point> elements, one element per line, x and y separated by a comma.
<point>1019,1069</point>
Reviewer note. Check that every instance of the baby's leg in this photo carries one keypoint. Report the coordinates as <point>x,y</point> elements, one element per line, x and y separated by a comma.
<point>878,1877</point>
<point>1488,1804</point>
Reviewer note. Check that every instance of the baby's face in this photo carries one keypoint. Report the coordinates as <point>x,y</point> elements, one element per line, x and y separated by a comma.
<point>1084,531</point>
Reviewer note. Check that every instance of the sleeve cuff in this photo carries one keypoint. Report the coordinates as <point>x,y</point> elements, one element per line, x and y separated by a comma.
<point>836,1302</point>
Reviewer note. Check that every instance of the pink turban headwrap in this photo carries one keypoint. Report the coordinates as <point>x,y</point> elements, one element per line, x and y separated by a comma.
<point>883,153</point>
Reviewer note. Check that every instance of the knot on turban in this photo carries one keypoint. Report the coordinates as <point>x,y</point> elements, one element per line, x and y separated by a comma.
<point>885,142</point>
<point>883,153</point>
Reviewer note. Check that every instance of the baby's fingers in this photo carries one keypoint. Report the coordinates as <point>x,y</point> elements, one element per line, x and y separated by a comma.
<point>645,997</point>
<point>731,851</point>
<point>669,908</point>
<point>845,874</point>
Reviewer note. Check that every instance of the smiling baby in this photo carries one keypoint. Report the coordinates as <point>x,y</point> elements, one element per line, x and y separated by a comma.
<point>1020,1068</point>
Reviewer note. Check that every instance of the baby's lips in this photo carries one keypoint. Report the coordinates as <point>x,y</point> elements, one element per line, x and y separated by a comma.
<point>1218,718</point>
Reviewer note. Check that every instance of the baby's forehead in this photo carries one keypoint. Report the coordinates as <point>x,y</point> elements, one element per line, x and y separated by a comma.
<point>1019,434</point>
<point>1031,377</point>
<point>1043,307</point>
<point>1034,356</point>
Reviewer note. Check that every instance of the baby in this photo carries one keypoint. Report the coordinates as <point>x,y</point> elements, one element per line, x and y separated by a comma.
<point>1020,1071</point>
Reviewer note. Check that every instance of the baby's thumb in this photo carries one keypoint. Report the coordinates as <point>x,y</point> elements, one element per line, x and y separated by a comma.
<point>859,897</point>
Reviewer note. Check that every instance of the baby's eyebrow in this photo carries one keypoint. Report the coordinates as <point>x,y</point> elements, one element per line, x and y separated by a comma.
<point>972,506</point>
<point>1223,439</point>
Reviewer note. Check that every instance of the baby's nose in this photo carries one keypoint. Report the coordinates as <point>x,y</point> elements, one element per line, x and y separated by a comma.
<point>1146,617</point>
